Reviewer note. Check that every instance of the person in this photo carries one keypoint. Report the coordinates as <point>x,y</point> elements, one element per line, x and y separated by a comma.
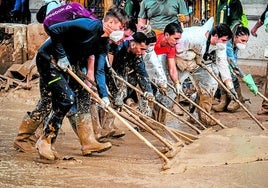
<point>159,13</point>
<point>166,44</point>
<point>103,124</point>
<point>229,12</point>
<point>259,23</point>
<point>239,41</point>
<point>155,15</point>
<point>128,63</point>
<point>209,47</point>
<point>21,12</point>
<point>82,34</point>
<point>263,20</point>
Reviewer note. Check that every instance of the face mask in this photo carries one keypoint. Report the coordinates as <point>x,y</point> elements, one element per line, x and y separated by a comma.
<point>116,35</point>
<point>240,46</point>
<point>220,46</point>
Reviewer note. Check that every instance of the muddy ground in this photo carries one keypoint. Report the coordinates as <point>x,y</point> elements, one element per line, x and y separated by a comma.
<point>233,157</point>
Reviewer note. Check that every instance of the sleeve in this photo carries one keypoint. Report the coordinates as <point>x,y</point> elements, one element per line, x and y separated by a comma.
<point>231,54</point>
<point>143,77</point>
<point>183,8</point>
<point>142,13</point>
<point>222,64</point>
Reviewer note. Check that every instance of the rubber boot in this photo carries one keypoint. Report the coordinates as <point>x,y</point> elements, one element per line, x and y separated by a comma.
<point>52,125</point>
<point>87,138</point>
<point>109,122</point>
<point>175,108</point>
<point>23,141</point>
<point>222,105</point>
<point>159,114</point>
<point>205,101</point>
<point>73,121</point>
<point>233,105</point>
<point>97,116</point>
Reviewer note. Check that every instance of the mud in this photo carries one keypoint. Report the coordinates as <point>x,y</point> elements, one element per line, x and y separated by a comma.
<point>233,157</point>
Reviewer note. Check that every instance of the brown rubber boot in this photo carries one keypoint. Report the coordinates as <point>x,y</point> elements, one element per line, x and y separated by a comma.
<point>109,123</point>
<point>87,138</point>
<point>176,109</point>
<point>205,101</point>
<point>159,114</point>
<point>44,143</point>
<point>233,105</point>
<point>222,105</point>
<point>23,141</point>
<point>73,121</point>
<point>97,119</point>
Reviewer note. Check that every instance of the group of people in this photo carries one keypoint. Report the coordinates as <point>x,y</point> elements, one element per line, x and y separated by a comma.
<point>152,53</point>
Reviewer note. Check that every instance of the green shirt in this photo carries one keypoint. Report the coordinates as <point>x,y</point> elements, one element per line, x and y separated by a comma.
<point>160,13</point>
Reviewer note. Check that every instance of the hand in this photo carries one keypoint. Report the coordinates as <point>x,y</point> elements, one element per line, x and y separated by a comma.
<point>250,83</point>
<point>106,101</point>
<point>64,63</point>
<point>149,96</point>
<point>182,18</point>
<point>178,87</point>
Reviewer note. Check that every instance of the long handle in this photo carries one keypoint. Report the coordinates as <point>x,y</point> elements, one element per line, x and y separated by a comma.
<point>99,100</point>
<point>236,100</point>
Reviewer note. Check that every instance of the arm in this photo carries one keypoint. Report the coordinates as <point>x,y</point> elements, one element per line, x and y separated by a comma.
<point>142,76</point>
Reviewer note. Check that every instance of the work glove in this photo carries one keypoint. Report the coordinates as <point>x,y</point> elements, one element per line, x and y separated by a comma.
<point>178,87</point>
<point>250,83</point>
<point>64,63</point>
<point>182,18</point>
<point>230,86</point>
<point>106,101</point>
<point>118,100</point>
<point>149,96</point>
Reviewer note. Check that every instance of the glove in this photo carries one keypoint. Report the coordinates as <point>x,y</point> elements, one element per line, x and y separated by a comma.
<point>230,86</point>
<point>106,101</point>
<point>149,96</point>
<point>118,100</point>
<point>182,18</point>
<point>64,63</point>
<point>178,87</point>
<point>250,83</point>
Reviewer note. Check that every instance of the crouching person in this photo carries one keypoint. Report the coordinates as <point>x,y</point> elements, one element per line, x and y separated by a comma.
<point>128,63</point>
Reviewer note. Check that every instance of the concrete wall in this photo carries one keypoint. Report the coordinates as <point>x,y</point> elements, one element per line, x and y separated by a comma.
<point>252,58</point>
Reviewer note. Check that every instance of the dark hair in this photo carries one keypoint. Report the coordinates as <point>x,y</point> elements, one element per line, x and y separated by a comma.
<point>41,13</point>
<point>241,30</point>
<point>131,24</point>
<point>173,28</point>
<point>222,30</point>
<point>118,13</point>
<point>140,37</point>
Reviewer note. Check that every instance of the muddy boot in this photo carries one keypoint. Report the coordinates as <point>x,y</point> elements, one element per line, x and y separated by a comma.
<point>205,101</point>
<point>107,122</point>
<point>159,114</point>
<point>97,118</point>
<point>23,141</point>
<point>73,121</point>
<point>175,108</point>
<point>222,105</point>
<point>233,105</point>
<point>52,125</point>
<point>87,138</point>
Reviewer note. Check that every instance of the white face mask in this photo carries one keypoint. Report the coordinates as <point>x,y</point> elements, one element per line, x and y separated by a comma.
<point>240,46</point>
<point>220,46</point>
<point>116,35</point>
